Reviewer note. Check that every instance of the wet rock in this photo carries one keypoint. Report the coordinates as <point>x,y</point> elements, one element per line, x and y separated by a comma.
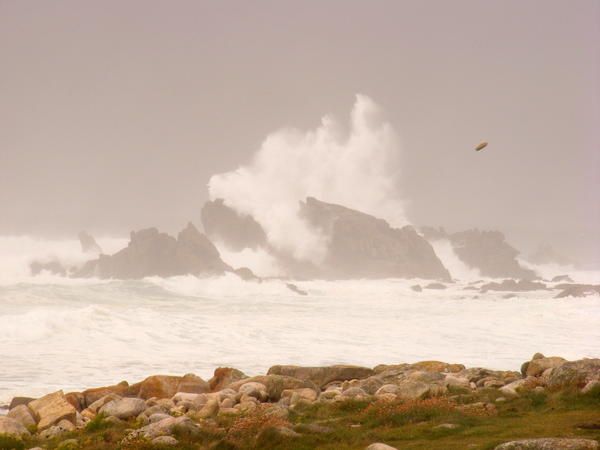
<point>550,444</point>
<point>12,427</point>
<point>51,409</point>
<point>416,288</point>
<point>322,376</point>
<point>562,278</point>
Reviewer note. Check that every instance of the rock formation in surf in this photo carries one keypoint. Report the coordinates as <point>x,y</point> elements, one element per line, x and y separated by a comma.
<point>546,254</point>
<point>486,251</point>
<point>360,245</point>
<point>152,253</point>
<point>363,246</point>
<point>224,224</point>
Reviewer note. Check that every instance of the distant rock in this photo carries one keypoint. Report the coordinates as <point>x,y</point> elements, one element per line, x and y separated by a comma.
<point>578,290</point>
<point>151,253</point>
<point>88,243</point>
<point>486,251</point>
<point>237,231</point>
<point>562,278</point>
<point>513,286</point>
<point>53,267</point>
<point>363,246</point>
<point>437,286</point>
<point>292,287</point>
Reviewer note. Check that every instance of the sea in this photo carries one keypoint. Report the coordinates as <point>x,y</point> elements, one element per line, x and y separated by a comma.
<point>73,334</point>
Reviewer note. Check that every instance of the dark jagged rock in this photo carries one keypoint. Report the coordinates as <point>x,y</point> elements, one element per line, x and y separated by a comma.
<point>486,251</point>
<point>363,246</point>
<point>296,289</point>
<point>151,253</point>
<point>238,231</point>
<point>514,286</point>
<point>435,286</point>
<point>88,243</point>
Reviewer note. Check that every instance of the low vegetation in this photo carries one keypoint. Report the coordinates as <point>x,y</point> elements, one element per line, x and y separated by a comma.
<point>457,422</point>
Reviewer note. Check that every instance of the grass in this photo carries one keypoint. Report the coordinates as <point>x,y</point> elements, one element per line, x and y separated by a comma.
<point>352,425</point>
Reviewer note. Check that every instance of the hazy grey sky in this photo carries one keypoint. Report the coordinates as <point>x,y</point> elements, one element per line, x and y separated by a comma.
<point>114,113</point>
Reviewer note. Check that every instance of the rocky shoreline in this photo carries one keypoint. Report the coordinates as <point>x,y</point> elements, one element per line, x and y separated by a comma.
<point>176,411</point>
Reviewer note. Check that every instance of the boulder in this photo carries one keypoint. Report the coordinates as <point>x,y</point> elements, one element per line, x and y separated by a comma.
<point>168,441</point>
<point>183,426</point>
<point>51,409</point>
<point>411,390</point>
<point>92,395</point>
<point>16,401</point>
<point>166,386</point>
<point>322,376</point>
<point>275,384</point>
<point>22,414</point>
<point>380,446</point>
<point>550,444</point>
<point>12,427</point>
<point>437,366</point>
<point>537,366</point>
<point>124,408</point>
<point>574,374</point>
<point>223,377</point>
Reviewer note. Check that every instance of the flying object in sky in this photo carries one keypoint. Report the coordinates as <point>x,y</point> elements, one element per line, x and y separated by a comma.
<point>481,146</point>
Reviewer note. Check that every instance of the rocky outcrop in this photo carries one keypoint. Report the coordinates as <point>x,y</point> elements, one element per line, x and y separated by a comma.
<point>238,231</point>
<point>513,286</point>
<point>486,251</point>
<point>363,246</point>
<point>151,253</point>
<point>88,243</point>
<point>546,254</point>
<point>550,444</point>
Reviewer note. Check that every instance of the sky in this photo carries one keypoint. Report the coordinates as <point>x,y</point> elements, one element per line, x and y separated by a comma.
<point>114,114</point>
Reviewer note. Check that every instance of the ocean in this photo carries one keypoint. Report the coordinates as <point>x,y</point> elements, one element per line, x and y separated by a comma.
<point>73,334</point>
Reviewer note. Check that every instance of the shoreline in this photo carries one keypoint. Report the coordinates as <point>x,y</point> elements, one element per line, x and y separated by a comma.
<point>156,406</point>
